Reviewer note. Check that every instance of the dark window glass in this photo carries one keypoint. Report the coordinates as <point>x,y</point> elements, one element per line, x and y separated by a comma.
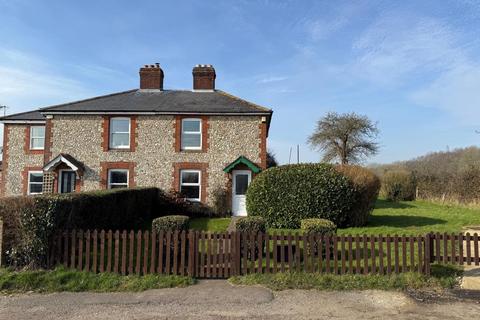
<point>241,184</point>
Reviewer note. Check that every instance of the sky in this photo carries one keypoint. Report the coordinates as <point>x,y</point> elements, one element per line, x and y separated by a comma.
<point>411,66</point>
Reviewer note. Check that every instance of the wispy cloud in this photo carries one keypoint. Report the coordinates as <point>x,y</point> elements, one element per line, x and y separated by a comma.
<point>270,79</point>
<point>399,45</point>
<point>27,81</point>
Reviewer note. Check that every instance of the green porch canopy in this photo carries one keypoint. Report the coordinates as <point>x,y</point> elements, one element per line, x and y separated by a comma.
<point>242,160</point>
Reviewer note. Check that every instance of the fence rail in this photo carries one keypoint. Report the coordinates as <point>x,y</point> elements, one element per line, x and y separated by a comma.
<point>221,255</point>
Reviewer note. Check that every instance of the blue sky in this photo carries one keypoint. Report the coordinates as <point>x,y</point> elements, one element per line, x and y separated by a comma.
<point>412,66</point>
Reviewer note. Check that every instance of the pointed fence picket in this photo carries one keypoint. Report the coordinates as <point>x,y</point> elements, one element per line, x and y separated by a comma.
<point>221,255</point>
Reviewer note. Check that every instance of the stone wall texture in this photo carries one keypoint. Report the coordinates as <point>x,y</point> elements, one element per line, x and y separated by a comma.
<point>18,160</point>
<point>229,138</point>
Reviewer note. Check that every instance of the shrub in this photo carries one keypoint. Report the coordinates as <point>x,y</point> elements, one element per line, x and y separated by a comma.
<point>322,226</point>
<point>251,224</point>
<point>398,185</point>
<point>367,186</point>
<point>284,195</point>
<point>30,222</point>
<point>172,223</point>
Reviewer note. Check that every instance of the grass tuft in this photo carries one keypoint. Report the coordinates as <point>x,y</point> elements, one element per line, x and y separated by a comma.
<point>442,277</point>
<point>62,279</point>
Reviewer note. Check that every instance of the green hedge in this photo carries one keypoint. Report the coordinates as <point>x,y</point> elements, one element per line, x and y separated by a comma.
<point>399,185</point>
<point>30,222</point>
<point>175,222</point>
<point>367,187</point>
<point>251,224</point>
<point>321,226</point>
<point>284,195</point>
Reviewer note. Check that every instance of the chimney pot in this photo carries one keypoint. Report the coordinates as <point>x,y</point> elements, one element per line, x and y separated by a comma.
<point>151,77</point>
<point>204,77</point>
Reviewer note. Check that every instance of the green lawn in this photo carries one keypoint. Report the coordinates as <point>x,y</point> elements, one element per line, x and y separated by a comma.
<point>210,224</point>
<point>409,218</point>
<point>416,217</point>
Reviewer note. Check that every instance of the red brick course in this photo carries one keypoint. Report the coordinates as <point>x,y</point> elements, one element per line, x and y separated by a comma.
<point>106,133</point>
<point>105,166</point>
<point>25,177</point>
<point>47,155</point>
<point>26,146</point>
<point>202,166</point>
<point>6,132</point>
<point>177,129</point>
<point>263,145</point>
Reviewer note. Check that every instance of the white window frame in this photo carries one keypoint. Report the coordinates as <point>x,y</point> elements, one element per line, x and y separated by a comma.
<point>36,137</point>
<point>187,184</point>
<point>191,132</point>
<point>110,134</point>
<point>29,182</point>
<point>117,184</point>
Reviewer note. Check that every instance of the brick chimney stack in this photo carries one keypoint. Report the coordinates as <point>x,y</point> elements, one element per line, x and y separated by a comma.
<point>204,77</point>
<point>151,77</point>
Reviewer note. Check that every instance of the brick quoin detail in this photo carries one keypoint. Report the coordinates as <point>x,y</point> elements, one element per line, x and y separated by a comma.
<point>26,146</point>
<point>106,133</point>
<point>47,155</point>
<point>6,132</point>
<point>105,166</point>
<point>178,133</point>
<point>25,177</point>
<point>202,166</point>
<point>263,145</point>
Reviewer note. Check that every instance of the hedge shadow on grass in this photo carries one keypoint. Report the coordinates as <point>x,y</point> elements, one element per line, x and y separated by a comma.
<point>402,221</point>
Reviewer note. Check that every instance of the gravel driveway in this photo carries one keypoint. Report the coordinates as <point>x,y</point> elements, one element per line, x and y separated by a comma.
<point>216,299</point>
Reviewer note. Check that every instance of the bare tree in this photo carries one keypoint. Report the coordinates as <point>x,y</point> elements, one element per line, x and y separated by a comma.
<point>348,137</point>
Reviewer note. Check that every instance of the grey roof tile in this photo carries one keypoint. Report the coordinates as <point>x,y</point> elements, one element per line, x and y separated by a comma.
<point>24,116</point>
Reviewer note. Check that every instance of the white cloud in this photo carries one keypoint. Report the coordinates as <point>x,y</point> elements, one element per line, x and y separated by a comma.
<point>456,91</point>
<point>270,79</point>
<point>400,45</point>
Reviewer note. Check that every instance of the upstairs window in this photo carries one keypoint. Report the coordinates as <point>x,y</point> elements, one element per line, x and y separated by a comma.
<point>191,134</point>
<point>117,178</point>
<point>190,184</point>
<point>119,133</point>
<point>37,137</point>
<point>35,182</point>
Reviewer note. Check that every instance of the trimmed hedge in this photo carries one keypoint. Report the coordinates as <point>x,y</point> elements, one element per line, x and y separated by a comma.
<point>367,187</point>
<point>287,194</point>
<point>322,226</point>
<point>31,221</point>
<point>175,222</point>
<point>251,224</point>
<point>399,185</point>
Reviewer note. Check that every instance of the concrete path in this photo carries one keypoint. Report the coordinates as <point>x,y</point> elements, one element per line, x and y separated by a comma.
<point>217,299</point>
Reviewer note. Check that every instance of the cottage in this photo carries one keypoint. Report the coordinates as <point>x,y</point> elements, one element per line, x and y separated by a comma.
<point>196,142</point>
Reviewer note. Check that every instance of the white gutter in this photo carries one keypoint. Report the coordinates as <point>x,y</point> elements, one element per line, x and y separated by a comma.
<point>158,113</point>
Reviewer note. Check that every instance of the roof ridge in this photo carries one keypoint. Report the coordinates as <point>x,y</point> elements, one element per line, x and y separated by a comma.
<point>257,106</point>
<point>85,100</point>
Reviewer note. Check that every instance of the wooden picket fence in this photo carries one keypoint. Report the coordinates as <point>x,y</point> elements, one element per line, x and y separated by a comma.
<point>221,255</point>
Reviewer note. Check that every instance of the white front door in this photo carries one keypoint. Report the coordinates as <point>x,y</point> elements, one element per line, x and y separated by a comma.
<point>241,180</point>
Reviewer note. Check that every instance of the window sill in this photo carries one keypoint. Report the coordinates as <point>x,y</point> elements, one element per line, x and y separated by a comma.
<point>192,151</point>
<point>120,150</point>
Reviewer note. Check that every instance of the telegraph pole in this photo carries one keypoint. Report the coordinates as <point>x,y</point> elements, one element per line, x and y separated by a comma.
<point>4,110</point>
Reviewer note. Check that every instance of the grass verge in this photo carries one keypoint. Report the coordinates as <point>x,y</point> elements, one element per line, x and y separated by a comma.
<point>442,277</point>
<point>62,279</point>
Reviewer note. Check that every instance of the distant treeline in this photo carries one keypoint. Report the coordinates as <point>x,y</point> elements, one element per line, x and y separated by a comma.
<point>452,176</point>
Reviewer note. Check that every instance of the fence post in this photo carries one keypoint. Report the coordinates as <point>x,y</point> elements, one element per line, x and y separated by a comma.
<point>431,238</point>
<point>1,242</point>
<point>428,253</point>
